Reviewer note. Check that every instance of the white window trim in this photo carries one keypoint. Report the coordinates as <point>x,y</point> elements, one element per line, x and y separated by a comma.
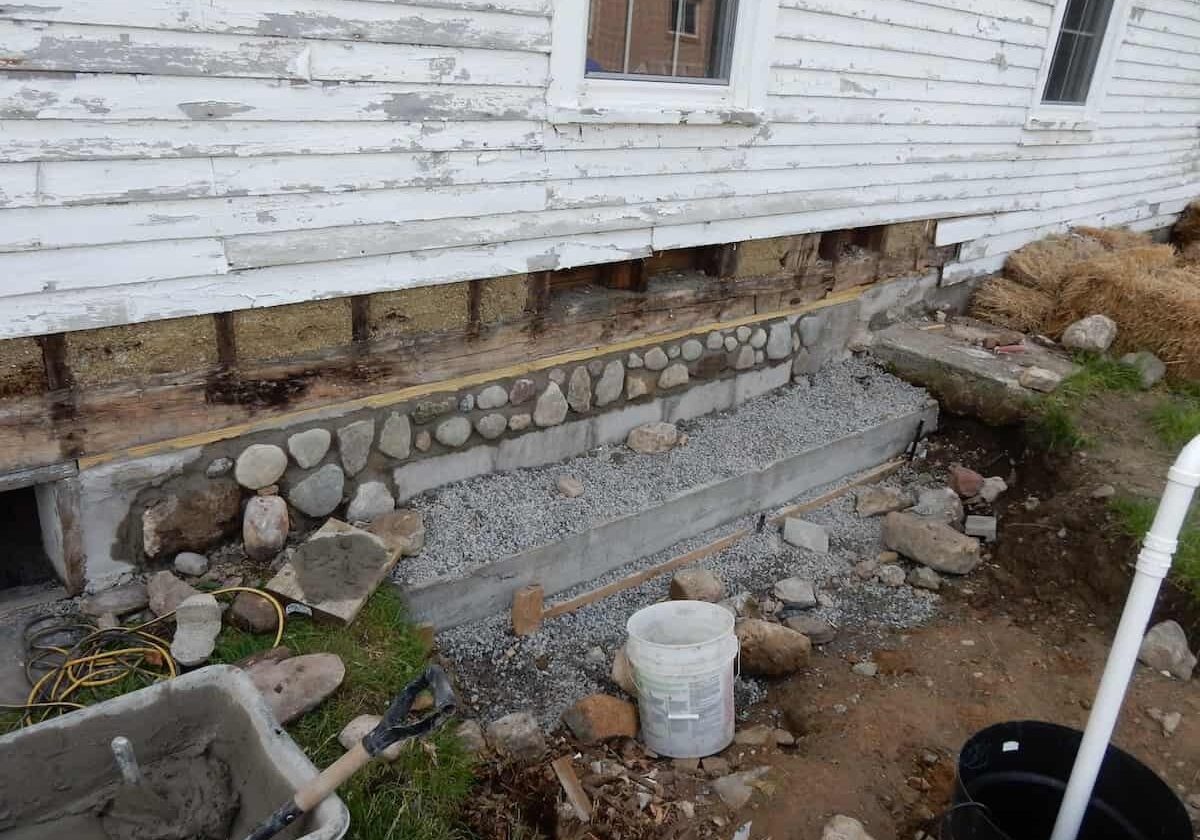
<point>1043,116</point>
<point>574,98</point>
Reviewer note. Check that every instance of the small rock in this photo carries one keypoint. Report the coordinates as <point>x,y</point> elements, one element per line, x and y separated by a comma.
<point>453,432</point>
<point>714,341</point>
<point>520,422</point>
<point>924,577</point>
<point>1094,334</point>
<point>783,738</point>
<point>634,361</point>
<point>522,391</point>
<point>492,397</point>
<point>939,504</point>
<point>1165,648</point>
<point>622,672</point>
<point>874,500</point>
<point>395,440</point>
<point>516,736</point>
<point>595,367</point>
<point>309,447</point>
<point>299,684</point>
<point>259,464</point>
<point>1150,368</point>
<point>673,351</point>
<point>674,376</point>
<point>197,624</point>
<point>470,735</point>
<point>253,613</point>
<point>652,438</point>
<point>402,530</point>
<point>696,585</point>
<point>558,376</point>
<point>371,499</point>
<point>735,789</point>
<point>1169,721</point>
<point>742,605</point>
<point>423,440</point>
<point>165,593</point>
<point>190,563</point>
<point>983,527</point>
<point>890,575</point>
<point>804,534</point>
<point>966,483</point>
<point>755,736</point>
<point>1039,379</point>
<point>933,544</point>
<point>744,360</point>
<point>320,493</point>
<point>120,600</point>
<point>771,649</point>
<point>491,426</point>
<point>796,592</point>
<point>551,407</point>
<point>887,557</point>
<point>655,359</point>
<point>992,488</point>
<point>218,467</point>
<point>686,765</point>
<point>779,344</point>
<point>866,569</point>
<point>758,338</point>
<point>265,527</point>
<point>759,357</point>
<point>743,334</point>
<point>354,731</point>
<point>570,486</point>
<point>595,656</point>
<point>599,717</point>
<point>714,766</point>
<point>1104,491</point>
<point>610,384</point>
<point>354,444</point>
<point>818,630</point>
<point>637,385</point>
<point>434,407</point>
<point>866,668</point>
<point>731,344</point>
<point>691,350</point>
<point>579,390</point>
<point>466,403</point>
<point>844,828</point>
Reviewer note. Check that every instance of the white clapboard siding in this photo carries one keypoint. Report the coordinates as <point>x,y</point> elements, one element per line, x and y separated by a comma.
<point>947,20</point>
<point>824,83</point>
<point>337,20</point>
<point>18,184</point>
<point>59,269</point>
<point>888,64</point>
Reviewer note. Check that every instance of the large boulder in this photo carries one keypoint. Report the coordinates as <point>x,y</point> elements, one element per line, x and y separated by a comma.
<point>1165,648</point>
<point>191,521</point>
<point>599,717</point>
<point>1094,334</point>
<point>771,650</point>
<point>930,543</point>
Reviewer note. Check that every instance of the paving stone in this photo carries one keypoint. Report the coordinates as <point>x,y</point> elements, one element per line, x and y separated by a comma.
<point>354,444</point>
<point>579,390</point>
<point>299,684</point>
<point>696,585</point>
<point>264,527</point>
<point>652,438</point>
<point>395,440</point>
<point>931,543</point>
<point>691,350</point>
<point>674,376</point>
<point>190,563</point>
<point>320,493</point>
<point>491,426</point>
<point>197,624</point>
<point>259,464</point>
<point>601,717</point>
<point>516,736</point>
<point>370,500</point>
<point>492,397</point>
<point>804,534</point>
<point>309,447</point>
<point>608,388</point>
<point>453,432</point>
<point>655,359</point>
<point>120,600</point>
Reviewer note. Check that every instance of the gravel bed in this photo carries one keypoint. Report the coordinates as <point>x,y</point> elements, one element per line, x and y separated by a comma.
<point>547,671</point>
<point>481,520</point>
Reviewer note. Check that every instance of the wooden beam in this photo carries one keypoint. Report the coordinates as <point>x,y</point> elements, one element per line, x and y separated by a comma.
<point>37,475</point>
<point>54,361</point>
<point>527,609</point>
<point>360,318</point>
<point>226,339</point>
<point>627,275</point>
<point>722,260</point>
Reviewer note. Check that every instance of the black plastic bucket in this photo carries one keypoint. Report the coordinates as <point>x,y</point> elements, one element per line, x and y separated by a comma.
<point>1011,779</point>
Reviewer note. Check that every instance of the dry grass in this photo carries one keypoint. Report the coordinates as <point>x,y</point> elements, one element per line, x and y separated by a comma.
<point>1187,229</point>
<point>1117,238</point>
<point>1043,264</point>
<point>1009,304</point>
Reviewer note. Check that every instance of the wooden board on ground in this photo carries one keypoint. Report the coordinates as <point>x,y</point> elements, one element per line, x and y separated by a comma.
<point>335,571</point>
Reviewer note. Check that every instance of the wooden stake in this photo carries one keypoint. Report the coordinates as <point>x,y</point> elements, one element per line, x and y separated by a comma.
<point>527,609</point>
<point>576,795</point>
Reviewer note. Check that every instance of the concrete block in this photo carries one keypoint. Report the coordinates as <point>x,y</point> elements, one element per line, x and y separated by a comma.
<point>548,446</point>
<point>419,476</point>
<point>699,400</point>
<point>747,386</point>
<point>614,426</point>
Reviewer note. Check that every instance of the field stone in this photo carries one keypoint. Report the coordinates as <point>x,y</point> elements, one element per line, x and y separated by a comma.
<point>890,575</point>
<point>771,650</point>
<point>731,343</point>
<point>796,592</point>
<point>759,357</point>
<point>818,630</point>
<point>866,668</point>
<point>779,345</point>
<point>516,736</point>
<point>1039,379</point>
<point>655,359</point>
<point>120,600</point>
<point>570,486</point>
<point>674,376</point>
<point>939,504</point>
<point>520,422</point>
<point>354,444</point>
<point>696,585</point>
<point>1094,334</point>
<point>395,439</point>
<point>218,467</point>
<point>743,334</point>
<point>370,499</point>
<point>264,527</point>
<point>651,438</point>
<point>1104,491</point>
<point>354,731</point>
<point>758,338</point>
<point>691,350</point>
<point>804,534</point>
<point>965,482</point>
<point>551,407</point>
<point>299,684</point>
<point>595,367</point>
<point>1150,368</point>
<point>522,391</point>
<point>744,360</point>
<point>841,827</point>
<point>874,500</point>
<point>714,341</point>
<point>309,447</point>
<point>755,736</point>
<point>579,390</point>
<point>453,432</point>
<point>491,426</point>
<point>608,388</point>
<point>621,672</point>
<point>466,403</point>
<point>422,440</point>
<point>197,624</point>
<point>401,530</point>
<point>601,717</point>
<point>930,543</point>
<point>429,409</point>
<point>191,521</point>
<point>993,488</point>
<point>634,361</point>
<point>190,563</point>
<point>470,735</point>
<point>492,397</point>
<point>924,577</point>
<point>1165,648</point>
<point>736,789</point>
<point>252,613</point>
<point>165,592</point>
<point>673,351</point>
<point>637,385</point>
<point>259,464</point>
<point>320,493</point>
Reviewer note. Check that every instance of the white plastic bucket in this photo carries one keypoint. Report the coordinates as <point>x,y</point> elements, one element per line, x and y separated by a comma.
<point>683,655</point>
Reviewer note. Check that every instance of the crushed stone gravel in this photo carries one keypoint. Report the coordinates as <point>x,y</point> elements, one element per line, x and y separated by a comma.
<point>481,520</point>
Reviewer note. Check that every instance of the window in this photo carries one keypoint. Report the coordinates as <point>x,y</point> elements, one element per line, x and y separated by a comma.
<point>1075,55</point>
<point>661,39</point>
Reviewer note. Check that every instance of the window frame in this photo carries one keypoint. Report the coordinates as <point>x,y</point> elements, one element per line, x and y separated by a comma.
<point>683,33</point>
<point>1065,116</point>
<point>574,97</point>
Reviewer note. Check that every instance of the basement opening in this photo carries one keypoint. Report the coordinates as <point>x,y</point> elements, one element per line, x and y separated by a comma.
<point>23,559</point>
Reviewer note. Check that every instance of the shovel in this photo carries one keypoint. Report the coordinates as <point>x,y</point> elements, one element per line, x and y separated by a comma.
<point>390,730</point>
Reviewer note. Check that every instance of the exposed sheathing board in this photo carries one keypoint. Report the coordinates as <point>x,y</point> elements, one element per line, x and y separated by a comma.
<point>122,354</point>
<point>503,298</point>
<point>21,370</point>
<point>763,256</point>
<point>282,331</point>
<point>419,310</point>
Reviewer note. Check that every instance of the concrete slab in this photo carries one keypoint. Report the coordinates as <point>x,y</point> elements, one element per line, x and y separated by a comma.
<point>966,378</point>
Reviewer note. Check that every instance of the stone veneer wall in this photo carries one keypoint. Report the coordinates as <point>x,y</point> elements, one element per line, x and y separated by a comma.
<point>357,464</point>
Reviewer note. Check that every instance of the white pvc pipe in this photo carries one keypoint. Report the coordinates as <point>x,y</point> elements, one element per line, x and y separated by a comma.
<point>1154,561</point>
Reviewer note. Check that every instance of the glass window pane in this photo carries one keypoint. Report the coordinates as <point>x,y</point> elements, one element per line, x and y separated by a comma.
<point>663,39</point>
<point>1077,50</point>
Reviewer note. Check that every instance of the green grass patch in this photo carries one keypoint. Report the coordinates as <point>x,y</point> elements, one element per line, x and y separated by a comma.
<point>1053,422</point>
<point>1177,420</point>
<point>1135,516</point>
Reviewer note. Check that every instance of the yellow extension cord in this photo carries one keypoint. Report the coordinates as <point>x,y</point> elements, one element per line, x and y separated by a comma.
<point>87,665</point>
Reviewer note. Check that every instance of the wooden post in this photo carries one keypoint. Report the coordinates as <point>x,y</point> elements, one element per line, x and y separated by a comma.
<point>226,339</point>
<point>627,275</point>
<point>527,609</point>
<point>360,318</point>
<point>474,308</point>
<point>721,261</point>
<point>54,361</point>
